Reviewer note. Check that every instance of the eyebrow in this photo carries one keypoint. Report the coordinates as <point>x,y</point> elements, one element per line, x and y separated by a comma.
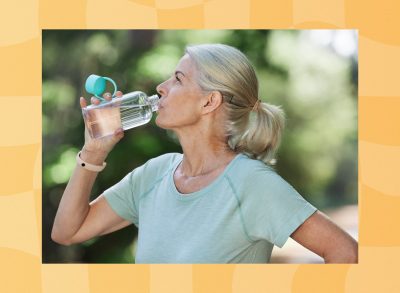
<point>176,72</point>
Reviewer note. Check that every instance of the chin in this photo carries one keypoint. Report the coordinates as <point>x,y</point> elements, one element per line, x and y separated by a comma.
<point>164,124</point>
<point>160,123</point>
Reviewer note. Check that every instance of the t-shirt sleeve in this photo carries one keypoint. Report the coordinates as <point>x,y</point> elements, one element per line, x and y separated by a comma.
<point>272,208</point>
<point>122,197</point>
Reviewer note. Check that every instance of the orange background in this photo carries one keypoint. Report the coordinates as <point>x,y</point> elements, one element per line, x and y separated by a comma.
<point>21,23</point>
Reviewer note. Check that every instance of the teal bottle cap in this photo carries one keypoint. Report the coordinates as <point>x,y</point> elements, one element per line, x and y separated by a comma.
<point>96,85</point>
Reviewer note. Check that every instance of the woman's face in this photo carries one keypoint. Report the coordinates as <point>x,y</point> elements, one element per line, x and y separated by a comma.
<point>181,99</point>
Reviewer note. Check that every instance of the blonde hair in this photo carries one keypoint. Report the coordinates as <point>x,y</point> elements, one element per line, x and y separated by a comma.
<point>254,127</point>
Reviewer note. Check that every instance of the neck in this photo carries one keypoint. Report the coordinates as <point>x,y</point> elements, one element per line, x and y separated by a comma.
<point>203,153</point>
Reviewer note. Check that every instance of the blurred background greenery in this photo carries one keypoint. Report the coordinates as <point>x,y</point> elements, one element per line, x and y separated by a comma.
<point>312,74</point>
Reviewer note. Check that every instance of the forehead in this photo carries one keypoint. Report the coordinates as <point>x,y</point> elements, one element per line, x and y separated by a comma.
<point>186,65</point>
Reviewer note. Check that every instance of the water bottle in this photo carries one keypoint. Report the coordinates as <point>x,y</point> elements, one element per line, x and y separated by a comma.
<point>126,112</point>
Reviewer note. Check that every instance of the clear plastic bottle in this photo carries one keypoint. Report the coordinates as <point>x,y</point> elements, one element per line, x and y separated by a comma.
<point>130,110</point>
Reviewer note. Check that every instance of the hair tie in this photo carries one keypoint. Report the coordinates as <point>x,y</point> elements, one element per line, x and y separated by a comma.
<point>256,105</point>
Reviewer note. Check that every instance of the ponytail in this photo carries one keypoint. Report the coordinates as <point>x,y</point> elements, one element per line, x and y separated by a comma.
<point>260,137</point>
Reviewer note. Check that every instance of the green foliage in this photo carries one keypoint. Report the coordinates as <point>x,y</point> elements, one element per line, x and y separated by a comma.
<point>314,85</point>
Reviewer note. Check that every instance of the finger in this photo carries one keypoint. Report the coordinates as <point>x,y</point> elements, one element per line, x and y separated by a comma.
<point>95,100</point>
<point>118,94</point>
<point>82,102</point>
<point>119,130</point>
<point>87,135</point>
<point>119,133</point>
<point>107,96</point>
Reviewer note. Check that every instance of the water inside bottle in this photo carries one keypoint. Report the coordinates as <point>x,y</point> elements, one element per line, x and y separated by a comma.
<point>105,120</point>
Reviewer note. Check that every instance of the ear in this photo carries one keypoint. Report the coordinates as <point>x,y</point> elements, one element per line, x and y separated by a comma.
<point>211,102</point>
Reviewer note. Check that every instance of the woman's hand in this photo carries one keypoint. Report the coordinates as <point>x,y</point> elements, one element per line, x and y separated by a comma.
<point>99,148</point>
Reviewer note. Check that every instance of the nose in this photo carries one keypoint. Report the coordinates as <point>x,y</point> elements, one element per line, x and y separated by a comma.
<point>162,89</point>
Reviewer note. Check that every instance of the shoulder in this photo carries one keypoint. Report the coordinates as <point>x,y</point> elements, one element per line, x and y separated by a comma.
<point>145,176</point>
<point>258,185</point>
<point>246,167</point>
<point>160,165</point>
<point>250,174</point>
<point>165,159</point>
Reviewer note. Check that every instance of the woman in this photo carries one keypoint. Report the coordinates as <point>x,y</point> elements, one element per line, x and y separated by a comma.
<point>219,201</point>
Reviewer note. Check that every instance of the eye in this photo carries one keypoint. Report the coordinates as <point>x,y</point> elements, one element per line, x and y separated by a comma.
<point>177,78</point>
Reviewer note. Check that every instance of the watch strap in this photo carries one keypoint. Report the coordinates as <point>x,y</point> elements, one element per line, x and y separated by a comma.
<point>88,166</point>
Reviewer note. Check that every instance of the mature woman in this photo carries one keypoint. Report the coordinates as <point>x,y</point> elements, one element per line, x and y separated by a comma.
<point>218,202</point>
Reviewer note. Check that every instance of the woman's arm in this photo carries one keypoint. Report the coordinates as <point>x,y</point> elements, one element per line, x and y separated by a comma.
<point>323,237</point>
<point>77,220</point>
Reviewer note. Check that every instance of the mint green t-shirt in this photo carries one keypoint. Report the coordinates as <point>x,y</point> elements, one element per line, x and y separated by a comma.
<point>238,218</point>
